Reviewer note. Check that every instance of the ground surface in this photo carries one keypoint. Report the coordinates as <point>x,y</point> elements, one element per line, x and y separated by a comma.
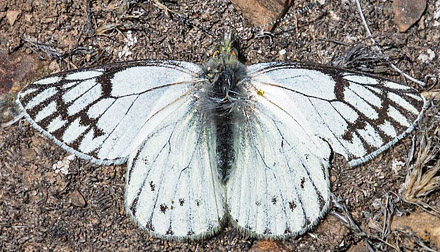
<point>83,210</point>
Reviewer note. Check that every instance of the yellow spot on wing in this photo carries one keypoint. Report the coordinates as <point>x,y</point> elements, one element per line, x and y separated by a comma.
<point>260,92</point>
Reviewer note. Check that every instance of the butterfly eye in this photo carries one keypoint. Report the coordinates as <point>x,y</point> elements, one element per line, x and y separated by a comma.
<point>215,53</point>
<point>234,52</point>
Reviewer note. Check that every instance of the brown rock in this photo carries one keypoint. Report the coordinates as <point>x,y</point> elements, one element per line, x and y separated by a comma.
<point>76,199</point>
<point>28,18</point>
<point>261,12</point>
<point>12,15</point>
<point>94,221</point>
<point>15,68</point>
<point>424,225</point>
<point>28,153</point>
<point>268,245</point>
<point>333,230</point>
<point>407,12</point>
<point>54,67</point>
<point>360,247</point>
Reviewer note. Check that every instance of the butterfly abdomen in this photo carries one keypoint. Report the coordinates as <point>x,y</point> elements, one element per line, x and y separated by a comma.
<point>225,95</point>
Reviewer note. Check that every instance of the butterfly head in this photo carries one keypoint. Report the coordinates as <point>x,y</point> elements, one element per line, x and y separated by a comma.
<point>223,73</point>
<point>225,49</point>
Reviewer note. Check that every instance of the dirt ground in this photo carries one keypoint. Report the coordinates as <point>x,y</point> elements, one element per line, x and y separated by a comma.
<point>81,208</point>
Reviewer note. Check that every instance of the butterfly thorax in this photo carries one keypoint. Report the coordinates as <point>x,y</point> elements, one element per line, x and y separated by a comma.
<point>224,71</point>
<point>225,97</point>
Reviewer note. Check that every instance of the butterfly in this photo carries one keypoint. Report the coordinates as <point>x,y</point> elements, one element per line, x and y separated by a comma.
<point>224,141</point>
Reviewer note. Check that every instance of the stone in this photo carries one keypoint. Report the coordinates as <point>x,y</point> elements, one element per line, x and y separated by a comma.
<point>76,199</point>
<point>261,12</point>
<point>423,224</point>
<point>11,16</point>
<point>407,12</point>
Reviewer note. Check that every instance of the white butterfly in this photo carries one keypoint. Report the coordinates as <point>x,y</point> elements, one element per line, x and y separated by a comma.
<point>222,141</point>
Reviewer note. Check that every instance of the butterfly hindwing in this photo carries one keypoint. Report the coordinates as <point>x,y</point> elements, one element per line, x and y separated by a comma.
<point>279,185</point>
<point>96,113</point>
<point>172,185</point>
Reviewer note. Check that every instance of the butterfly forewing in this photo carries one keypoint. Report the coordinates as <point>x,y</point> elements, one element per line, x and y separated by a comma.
<point>359,115</point>
<point>97,113</point>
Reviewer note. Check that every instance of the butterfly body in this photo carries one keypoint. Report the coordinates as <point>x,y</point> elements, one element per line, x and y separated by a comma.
<point>224,98</point>
<point>223,140</point>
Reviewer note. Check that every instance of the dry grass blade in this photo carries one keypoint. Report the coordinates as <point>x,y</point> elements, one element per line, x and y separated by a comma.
<point>379,49</point>
<point>162,6</point>
<point>409,241</point>
<point>423,177</point>
<point>348,220</point>
<point>102,29</point>
<point>432,94</point>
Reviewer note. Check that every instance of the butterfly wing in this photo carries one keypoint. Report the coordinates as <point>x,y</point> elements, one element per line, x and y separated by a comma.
<point>97,113</point>
<point>359,115</point>
<point>146,110</point>
<point>173,190</point>
<point>280,185</point>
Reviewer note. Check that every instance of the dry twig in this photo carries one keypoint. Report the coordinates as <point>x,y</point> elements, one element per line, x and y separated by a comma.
<point>370,35</point>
